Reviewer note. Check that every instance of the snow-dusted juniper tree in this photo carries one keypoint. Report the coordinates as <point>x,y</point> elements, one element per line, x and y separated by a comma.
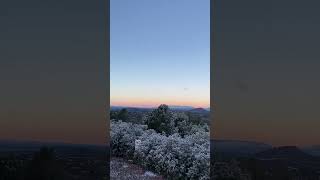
<point>160,120</point>
<point>163,120</point>
<point>182,125</point>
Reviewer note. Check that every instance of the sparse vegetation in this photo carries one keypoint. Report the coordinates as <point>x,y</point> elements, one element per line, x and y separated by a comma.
<point>171,144</point>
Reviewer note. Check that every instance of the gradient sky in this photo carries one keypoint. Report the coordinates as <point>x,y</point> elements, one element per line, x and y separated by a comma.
<point>266,85</point>
<point>52,71</point>
<point>160,52</point>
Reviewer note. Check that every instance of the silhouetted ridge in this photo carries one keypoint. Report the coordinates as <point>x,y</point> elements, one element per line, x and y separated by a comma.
<point>198,110</point>
<point>238,147</point>
<point>284,152</point>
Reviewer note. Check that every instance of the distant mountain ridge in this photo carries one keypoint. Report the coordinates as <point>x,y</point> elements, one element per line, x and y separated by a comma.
<point>186,108</point>
<point>267,157</point>
<point>313,150</point>
<point>238,147</point>
<point>290,156</point>
<point>178,108</point>
<point>35,145</point>
<point>198,110</point>
<point>284,152</point>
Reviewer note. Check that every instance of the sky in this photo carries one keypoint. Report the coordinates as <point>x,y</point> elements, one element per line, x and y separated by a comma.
<point>53,79</point>
<point>266,86</point>
<point>52,71</point>
<point>160,53</point>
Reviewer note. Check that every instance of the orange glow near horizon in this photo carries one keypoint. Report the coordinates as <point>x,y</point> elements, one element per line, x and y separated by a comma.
<point>154,103</point>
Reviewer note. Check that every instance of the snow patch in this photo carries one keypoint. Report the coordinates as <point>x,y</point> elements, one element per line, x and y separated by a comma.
<point>149,173</point>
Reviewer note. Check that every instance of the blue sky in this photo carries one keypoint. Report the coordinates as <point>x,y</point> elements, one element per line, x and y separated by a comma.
<point>160,52</point>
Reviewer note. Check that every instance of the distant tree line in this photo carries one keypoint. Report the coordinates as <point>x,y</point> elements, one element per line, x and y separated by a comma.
<point>119,115</point>
<point>162,119</point>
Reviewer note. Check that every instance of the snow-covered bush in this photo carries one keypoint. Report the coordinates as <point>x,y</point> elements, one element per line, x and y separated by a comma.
<point>174,156</point>
<point>184,153</point>
<point>123,136</point>
<point>200,145</point>
<point>199,128</point>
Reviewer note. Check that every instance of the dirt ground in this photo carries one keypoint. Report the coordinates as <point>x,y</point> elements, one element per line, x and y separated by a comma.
<point>121,169</point>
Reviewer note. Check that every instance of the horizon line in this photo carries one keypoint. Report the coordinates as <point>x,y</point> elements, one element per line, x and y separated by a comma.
<point>155,106</point>
<point>273,145</point>
<point>48,141</point>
